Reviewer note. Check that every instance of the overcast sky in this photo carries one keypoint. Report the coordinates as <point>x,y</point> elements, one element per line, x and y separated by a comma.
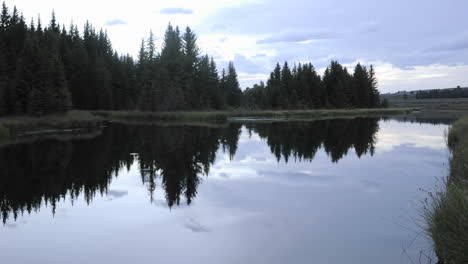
<point>414,44</point>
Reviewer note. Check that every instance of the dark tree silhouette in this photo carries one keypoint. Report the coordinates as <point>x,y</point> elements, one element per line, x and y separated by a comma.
<point>303,88</point>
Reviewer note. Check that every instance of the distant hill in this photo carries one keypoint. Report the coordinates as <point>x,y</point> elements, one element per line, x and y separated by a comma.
<point>458,92</point>
<point>400,95</point>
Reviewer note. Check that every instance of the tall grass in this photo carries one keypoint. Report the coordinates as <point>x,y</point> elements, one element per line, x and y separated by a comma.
<point>446,212</point>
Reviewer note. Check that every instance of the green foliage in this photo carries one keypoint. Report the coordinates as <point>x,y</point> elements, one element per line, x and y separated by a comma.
<point>304,88</point>
<point>178,78</point>
<point>230,87</point>
<point>446,212</point>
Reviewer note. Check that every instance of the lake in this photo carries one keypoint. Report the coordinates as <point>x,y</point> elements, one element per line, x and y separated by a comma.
<point>249,191</point>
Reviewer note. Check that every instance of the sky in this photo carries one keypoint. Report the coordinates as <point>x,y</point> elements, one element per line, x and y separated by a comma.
<point>416,44</point>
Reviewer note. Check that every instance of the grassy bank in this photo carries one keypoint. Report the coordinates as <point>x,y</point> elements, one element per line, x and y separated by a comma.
<point>453,104</point>
<point>224,115</point>
<point>28,126</point>
<point>18,126</point>
<point>447,211</point>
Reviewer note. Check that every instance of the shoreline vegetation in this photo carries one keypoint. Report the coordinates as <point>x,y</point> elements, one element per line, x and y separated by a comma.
<point>446,211</point>
<point>78,121</point>
<point>226,115</point>
<point>14,127</point>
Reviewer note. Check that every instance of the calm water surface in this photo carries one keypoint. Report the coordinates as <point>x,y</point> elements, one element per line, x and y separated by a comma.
<point>333,191</point>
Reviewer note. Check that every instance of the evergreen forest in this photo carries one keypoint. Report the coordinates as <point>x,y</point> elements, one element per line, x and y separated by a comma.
<point>53,68</point>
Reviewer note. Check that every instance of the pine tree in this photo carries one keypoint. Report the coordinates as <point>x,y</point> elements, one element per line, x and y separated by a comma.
<point>374,92</point>
<point>172,77</point>
<point>285,86</point>
<point>234,93</point>
<point>334,80</point>
<point>151,53</point>
<point>4,82</point>
<point>215,92</point>
<point>53,24</point>
<point>102,84</point>
<point>293,102</point>
<point>60,93</point>
<point>189,67</point>
<point>4,18</point>
<point>360,85</point>
<point>223,88</point>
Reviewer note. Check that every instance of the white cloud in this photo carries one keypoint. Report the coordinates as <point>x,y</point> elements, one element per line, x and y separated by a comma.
<point>176,10</point>
<point>298,36</point>
<point>392,78</point>
<point>115,22</point>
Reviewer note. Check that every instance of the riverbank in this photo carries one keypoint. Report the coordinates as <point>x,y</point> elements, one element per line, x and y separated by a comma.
<point>446,212</point>
<point>225,115</point>
<point>23,126</point>
<point>13,127</point>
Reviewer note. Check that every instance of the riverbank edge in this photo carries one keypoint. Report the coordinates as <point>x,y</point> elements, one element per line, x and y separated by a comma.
<point>225,115</point>
<point>14,127</point>
<point>446,212</point>
<point>71,122</point>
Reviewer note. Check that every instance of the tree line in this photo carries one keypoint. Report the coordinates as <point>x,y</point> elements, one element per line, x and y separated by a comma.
<point>443,93</point>
<point>52,69</point>
<point>302,87</point>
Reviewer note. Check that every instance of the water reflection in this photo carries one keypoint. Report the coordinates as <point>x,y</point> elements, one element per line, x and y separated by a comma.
<point>46,172</point>
<point>301,140</point>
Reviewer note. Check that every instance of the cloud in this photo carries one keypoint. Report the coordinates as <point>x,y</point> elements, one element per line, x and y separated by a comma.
<point>371,186</point>
<point>224,175</point>
<point>297,36</point>
<point>460,42</point>
<point>216,27</point>
<point>11,226</point>
<point>243,64</point>
<point>176,10</point>
<point>61,213</point>
<point>194,226</point>
<point>392,78</point>
<point>299,177</point>
<point>114,194</point>
<point>115,22</point>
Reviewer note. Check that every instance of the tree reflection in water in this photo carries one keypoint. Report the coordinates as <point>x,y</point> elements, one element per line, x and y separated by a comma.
<point>46,172</point>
